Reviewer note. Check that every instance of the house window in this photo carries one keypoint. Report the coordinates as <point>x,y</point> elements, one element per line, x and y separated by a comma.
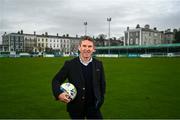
<point>149,34</point>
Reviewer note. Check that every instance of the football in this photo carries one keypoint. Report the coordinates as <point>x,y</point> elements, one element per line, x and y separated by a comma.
<point>70,89</point>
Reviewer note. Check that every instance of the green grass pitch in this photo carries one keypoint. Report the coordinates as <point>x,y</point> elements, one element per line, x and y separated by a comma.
<point>136,88</point>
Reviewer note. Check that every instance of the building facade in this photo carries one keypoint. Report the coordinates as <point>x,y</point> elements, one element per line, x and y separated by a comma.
<point>20,42</point>
<point>168,37</point>
<point>142,36</point>
<point>30,42</point>
<point>13,42</point>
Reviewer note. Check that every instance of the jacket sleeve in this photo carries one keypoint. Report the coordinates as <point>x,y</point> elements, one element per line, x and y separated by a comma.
<point>103,81</point>
<point>102,87</point>
<point>59,78</point>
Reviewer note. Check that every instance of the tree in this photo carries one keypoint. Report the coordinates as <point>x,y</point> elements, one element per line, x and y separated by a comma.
<point>137,26</point>
<point>102,36</point>
<point>175,30</point>
<point>99,41</point>
<point>177,37</point>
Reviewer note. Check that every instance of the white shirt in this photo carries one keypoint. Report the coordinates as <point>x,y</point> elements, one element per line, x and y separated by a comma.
<point>85,63</point>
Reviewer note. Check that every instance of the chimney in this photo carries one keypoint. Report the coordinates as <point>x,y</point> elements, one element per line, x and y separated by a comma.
<point>46,33</point>
<point>21,31</point>
<point>34,32</point>
<point>127,28</point>
<point>57,34</point>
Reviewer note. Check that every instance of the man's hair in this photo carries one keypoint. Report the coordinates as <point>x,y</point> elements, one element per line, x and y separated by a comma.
<point>86,38</point>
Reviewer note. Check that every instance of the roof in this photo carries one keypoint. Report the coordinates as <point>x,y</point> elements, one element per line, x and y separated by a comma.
<point>37,35</point>
<point>138,46</point>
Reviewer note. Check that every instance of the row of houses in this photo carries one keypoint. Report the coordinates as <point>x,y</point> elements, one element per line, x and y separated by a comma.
<point>21,42</point>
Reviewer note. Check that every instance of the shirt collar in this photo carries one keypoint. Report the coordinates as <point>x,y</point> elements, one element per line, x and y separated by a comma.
<point>85,63</point>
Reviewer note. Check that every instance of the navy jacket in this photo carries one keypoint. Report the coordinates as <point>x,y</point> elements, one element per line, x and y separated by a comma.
<point>73,72</point>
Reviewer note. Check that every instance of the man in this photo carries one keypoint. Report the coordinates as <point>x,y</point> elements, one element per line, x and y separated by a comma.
<point>87,75</point>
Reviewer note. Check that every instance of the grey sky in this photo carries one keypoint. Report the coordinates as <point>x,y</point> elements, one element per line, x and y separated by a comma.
<point>68,16</point>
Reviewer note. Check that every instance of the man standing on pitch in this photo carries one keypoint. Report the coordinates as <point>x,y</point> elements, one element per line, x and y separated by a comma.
<point>87,75</point>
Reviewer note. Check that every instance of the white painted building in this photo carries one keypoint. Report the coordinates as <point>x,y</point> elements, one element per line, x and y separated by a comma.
<point>40,43</point>
<point>142,36</point>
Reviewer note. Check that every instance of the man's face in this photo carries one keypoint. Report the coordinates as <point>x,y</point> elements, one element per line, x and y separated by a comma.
<point>86,48</point>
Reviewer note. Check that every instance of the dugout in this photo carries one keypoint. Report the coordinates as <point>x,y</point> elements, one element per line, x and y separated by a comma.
<point>161,49</point>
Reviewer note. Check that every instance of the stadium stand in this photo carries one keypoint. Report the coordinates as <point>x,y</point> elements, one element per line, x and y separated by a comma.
<point>161,50</point>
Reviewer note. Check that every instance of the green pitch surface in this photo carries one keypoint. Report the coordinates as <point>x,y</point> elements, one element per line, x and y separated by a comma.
<point>136,88</point>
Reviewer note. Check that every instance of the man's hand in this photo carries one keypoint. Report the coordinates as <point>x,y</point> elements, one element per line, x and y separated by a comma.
<point>64,97</point>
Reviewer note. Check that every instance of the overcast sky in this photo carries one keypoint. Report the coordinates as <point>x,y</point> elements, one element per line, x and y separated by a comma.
<point>68,16</point>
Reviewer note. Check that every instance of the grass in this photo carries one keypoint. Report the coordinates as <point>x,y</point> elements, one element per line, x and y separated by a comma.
<point>136,88</point>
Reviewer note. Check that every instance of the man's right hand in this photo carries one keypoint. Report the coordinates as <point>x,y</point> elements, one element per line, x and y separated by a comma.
<point>64,97</point>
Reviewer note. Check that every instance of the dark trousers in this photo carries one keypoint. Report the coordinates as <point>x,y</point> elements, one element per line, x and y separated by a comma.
<point>88,113</point>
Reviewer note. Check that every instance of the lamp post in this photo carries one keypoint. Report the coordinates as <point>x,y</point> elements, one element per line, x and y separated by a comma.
<point>109,20</point>
<point>85,24</point>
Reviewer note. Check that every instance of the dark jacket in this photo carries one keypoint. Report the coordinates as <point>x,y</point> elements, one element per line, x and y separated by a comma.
<point>73,72</point>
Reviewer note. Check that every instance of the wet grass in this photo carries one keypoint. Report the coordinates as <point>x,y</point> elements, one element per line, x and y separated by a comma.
<point>136,88</point>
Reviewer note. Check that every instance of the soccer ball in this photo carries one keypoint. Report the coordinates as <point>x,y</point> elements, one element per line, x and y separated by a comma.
<point>70,89</point>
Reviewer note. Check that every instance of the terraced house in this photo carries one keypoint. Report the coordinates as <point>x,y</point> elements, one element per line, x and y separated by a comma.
<point>20,42</point>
